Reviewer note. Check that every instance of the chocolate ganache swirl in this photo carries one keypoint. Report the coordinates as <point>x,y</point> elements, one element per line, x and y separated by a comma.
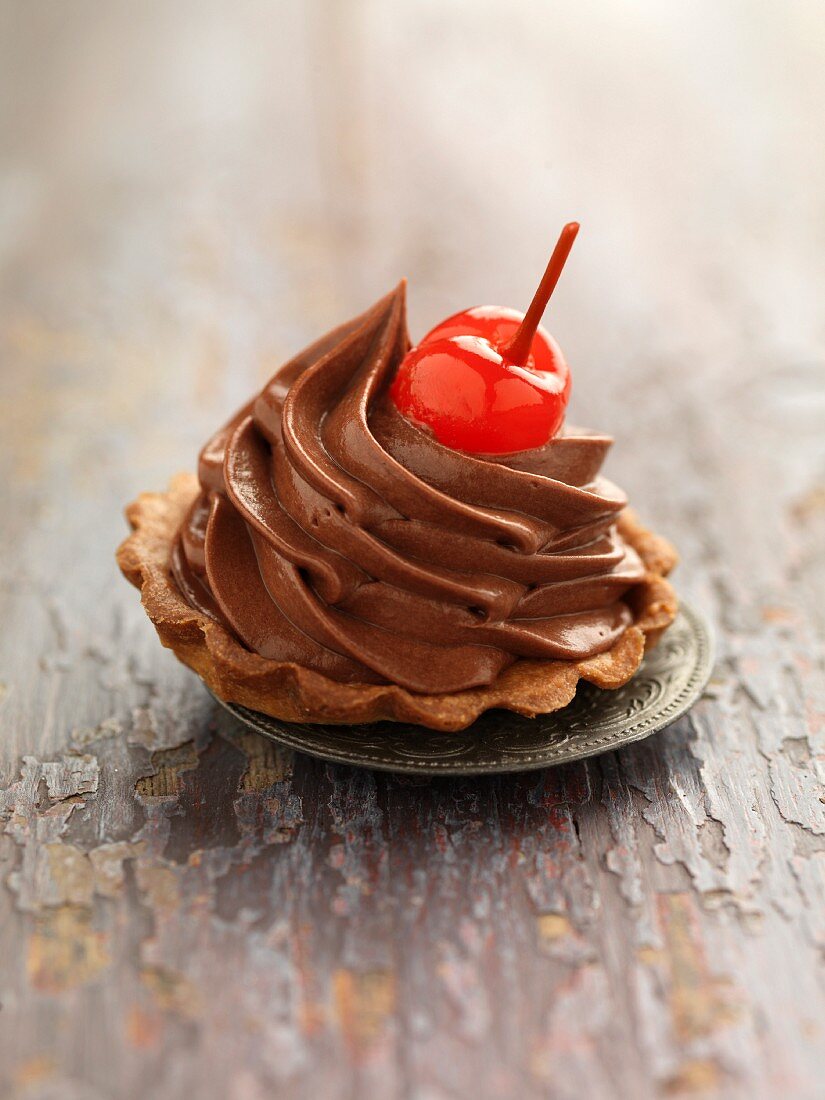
<point>333,533</point>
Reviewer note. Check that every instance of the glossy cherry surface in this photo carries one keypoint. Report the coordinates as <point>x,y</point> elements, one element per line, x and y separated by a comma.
<point>488,380</point>
<point>472,399</point>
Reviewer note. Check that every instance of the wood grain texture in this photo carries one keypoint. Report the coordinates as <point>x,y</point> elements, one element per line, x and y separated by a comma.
<point>188,192</point>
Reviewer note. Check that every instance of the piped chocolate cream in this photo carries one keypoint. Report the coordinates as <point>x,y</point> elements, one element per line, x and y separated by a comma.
<point>333,533</point>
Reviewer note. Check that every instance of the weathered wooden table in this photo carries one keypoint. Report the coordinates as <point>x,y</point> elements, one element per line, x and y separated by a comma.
<point>188,192</point>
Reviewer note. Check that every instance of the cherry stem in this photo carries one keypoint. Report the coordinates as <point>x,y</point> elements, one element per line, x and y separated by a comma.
<point>517,349</point>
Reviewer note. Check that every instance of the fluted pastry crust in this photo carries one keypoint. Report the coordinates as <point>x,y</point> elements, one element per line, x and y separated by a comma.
<point>294,693</point>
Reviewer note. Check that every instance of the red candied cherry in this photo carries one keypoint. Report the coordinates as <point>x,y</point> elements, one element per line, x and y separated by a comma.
<point>489,380</point>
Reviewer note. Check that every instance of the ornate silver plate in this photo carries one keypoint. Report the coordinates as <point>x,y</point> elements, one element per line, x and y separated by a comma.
<point>669,681</point>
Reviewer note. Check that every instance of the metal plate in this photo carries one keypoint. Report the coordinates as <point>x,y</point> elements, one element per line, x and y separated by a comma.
<point>669,681</point>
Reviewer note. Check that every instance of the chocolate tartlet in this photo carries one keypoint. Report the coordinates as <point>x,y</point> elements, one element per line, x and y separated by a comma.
<point>333,562</point>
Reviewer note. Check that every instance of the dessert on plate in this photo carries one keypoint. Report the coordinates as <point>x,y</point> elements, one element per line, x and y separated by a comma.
<point>413,534</point>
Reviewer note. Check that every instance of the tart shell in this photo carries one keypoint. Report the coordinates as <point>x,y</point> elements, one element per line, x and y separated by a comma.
<point>293,693</point>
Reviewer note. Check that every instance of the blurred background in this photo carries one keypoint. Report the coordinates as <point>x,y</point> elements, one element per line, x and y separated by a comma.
<point>214,183</point>
<point>190,191</point>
